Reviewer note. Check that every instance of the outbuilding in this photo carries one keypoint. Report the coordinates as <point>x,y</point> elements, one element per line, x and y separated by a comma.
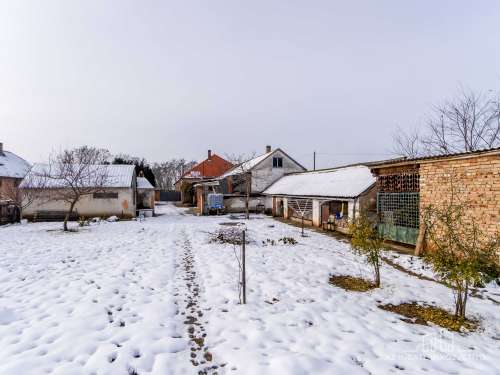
<point>328,198</point>
<point>117,197</point>
<point>407,186</point>
<point>145,196</point>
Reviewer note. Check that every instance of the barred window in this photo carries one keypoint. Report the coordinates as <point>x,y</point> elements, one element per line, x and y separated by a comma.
<point>401,182</point>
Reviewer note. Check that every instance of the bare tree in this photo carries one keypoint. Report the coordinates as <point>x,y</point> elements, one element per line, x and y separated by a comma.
<point>242,177</point>
<point>408,144</point>
<point>24,193</point>
<point>469,122</point>
<point>73,174</point>
<point>168,172</point>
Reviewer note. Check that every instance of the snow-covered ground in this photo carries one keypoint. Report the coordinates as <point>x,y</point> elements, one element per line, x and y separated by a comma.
<point>115,297</point>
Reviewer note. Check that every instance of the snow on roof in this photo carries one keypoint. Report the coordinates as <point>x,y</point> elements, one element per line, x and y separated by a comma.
<point>12,165</point>
<point>347,182</point>
<point>118,175</point>
<point>143,183</point>
<point>246,165</point>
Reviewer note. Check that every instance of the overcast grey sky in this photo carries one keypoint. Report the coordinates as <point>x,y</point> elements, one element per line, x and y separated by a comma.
<point>164,79</point>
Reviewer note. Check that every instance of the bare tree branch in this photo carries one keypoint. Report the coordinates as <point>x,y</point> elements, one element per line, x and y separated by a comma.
<point>469,122</point>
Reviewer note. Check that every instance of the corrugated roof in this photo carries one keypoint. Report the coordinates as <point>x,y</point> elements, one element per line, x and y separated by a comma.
<point>118,176</point>
<point>404,160</point>
<point>347,182</point>
<point>143,183</point>
<point>12,165</point>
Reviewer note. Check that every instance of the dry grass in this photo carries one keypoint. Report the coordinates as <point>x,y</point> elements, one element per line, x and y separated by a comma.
<point>355,284</point>
<point>415,313</point>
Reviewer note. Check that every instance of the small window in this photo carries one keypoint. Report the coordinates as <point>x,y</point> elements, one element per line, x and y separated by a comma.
<point>277,162</point>
<point>105,195</point>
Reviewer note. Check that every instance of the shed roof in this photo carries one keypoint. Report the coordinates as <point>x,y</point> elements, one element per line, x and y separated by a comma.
<point>343,182</point>
<point>12,165</point>
<point>433,158</point>
<point>143,183</point>
<point>118,175</point>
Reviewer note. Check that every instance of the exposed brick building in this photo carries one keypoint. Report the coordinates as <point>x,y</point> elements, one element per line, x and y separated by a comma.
<point>12,170</point>
<point>407,186</point>
<point>213,166</point>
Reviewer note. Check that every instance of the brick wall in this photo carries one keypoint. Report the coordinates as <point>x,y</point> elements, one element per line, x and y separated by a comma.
<point>475,179</point>
<point>8,187</point>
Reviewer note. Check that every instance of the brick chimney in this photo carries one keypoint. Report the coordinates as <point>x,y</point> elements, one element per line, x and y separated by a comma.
<point>209,154</point>
<point>268,149</point>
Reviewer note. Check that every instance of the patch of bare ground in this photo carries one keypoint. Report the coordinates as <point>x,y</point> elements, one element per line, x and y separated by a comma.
<point>415,313</point>
<point>351,283</point>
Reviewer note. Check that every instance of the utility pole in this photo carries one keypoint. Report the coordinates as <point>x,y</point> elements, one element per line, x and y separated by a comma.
<point>243,269</point>
<point>314,161</point>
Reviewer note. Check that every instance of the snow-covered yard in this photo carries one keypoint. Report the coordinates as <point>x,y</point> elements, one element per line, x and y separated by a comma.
<point>137,297</point>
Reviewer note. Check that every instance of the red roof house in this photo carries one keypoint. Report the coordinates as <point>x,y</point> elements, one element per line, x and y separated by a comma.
<point>213,166</point>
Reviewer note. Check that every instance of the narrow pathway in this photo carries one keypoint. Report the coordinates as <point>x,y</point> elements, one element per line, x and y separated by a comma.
<point>201,358</point>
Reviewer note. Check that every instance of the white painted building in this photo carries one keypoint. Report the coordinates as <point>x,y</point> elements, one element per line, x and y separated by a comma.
<point>262,171</point>
<point>116,198</point>
<point>328,198</point>
<point>145,196</point>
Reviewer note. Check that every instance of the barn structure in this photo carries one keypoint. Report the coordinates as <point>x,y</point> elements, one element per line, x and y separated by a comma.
<point>407,186</point>
<point>328,198</point>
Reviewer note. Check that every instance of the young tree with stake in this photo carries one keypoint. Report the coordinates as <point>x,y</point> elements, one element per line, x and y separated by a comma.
<point>367,242</point>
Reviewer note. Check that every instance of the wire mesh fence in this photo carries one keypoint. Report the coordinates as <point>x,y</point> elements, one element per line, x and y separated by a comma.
<point>399,209</point>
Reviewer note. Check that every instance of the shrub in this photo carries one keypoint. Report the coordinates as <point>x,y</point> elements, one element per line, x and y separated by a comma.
<point>461,254</point>
<point>366,242</point>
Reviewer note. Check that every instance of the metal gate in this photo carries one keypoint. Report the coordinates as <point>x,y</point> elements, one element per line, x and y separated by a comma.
<point>399,216</point>
<point>170,195</point>
<point>398,207</point>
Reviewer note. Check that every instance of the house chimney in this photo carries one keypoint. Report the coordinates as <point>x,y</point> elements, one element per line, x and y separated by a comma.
<point>1,148</point>
<point>268,149</point>
<point>209,154</point>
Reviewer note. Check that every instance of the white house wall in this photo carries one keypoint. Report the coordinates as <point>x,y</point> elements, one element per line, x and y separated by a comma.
<point>123,206</point>
<point>237,204</point>
<point>264,174</point>
<point>316,212</point>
